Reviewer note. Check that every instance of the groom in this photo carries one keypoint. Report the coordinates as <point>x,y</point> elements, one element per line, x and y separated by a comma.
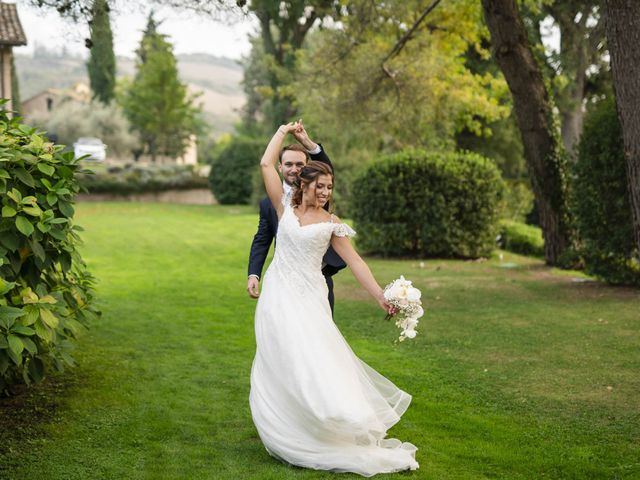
<point>292,159</point>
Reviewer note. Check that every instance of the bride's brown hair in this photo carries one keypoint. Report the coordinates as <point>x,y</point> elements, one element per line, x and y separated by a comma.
<point>310,172</point>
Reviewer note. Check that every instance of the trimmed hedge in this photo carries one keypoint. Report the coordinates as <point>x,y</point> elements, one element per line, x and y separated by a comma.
<point>232,170</point>
<point>132,178</point>
<point>46,292</point>
<point>521,238</point>
<point>418,203</point>
<point>601,200</point>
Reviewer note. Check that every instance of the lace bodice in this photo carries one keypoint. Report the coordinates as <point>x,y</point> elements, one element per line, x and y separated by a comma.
<point>300,248</point>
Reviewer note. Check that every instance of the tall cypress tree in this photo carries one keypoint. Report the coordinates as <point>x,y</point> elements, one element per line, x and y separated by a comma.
<point>102,61</point>
<point>157,103</point>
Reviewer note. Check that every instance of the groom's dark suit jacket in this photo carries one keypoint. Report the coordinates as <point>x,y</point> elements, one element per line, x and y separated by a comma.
<point>268,228</point>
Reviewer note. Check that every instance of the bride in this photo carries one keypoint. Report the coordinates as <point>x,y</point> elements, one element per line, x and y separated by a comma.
<point>314,403</point>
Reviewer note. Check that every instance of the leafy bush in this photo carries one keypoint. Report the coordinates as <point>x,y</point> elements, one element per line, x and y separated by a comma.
<point>131,178</point>
<point>521,238</point>
<point>421,203</point>
<point>46,290</point>
<point>601,200</point>
<point>72,120</point>
<point>232,170</point>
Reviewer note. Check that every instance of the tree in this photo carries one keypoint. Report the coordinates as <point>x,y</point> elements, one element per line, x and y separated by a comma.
<point>578,64</point>
<point>534,112</point>
<point>102,61</point>
<point>157,104</point>
<point>271,67</point>
<point>623,32</point>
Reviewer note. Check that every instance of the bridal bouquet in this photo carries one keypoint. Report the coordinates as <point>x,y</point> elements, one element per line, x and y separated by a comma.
<point>406,298</point>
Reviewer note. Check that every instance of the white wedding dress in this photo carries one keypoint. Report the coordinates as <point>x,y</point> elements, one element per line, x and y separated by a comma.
<point>314,403</point>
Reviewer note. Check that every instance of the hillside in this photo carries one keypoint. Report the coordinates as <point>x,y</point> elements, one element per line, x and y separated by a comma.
<point>219,80</point>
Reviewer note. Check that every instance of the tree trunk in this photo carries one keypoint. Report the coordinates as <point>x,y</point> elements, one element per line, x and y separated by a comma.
<point>574,53</point>
<point>576,43</point>
<point>542,148</point>
<point>623,38</point>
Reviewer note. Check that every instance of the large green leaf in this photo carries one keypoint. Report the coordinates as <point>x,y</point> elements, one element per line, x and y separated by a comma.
<point>10,313</point>
<point>52,198</point>
<point>32,314</point>
<point>25,177</point>
<point>43,331</point>
<point>38,250</point>
<point>22,330</point>
<point>24,226</point>
<point>17,359</point>
<point>48,317</point>
<point>15,344</point>
<point>33,211</point>
<point>5,286</point>
<point>46,169</point>
<point>8,211</point>
<point>43,227</point>
<point>65,208</point>
<point>30,345</point>
<point>15,195</point>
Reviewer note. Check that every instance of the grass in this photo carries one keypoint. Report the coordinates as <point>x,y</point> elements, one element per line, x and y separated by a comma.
<point>518,372</point>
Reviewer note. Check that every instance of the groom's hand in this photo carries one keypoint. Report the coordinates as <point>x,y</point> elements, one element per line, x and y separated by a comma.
<point>301,136</point>
<point>253,287</point>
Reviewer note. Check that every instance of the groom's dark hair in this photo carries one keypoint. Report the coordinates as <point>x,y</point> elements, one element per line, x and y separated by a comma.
<point>295,147</point>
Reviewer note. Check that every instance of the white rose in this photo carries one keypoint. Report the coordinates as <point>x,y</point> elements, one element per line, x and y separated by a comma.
<point>419,313</point>
<point>409,333</point>
<point>413,294</point>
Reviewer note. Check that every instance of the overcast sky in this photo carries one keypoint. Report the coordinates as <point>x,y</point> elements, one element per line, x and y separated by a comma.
<point>188,32</point>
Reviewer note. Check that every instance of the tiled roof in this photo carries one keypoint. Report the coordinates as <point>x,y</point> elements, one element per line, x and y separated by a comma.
<point>11,32</point>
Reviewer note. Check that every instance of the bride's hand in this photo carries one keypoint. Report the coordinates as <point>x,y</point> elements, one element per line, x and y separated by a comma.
<point>389,309</point>
<point>288,128</point>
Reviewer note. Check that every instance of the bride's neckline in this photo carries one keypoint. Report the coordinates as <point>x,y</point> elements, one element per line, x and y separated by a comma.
<point>308,224</point>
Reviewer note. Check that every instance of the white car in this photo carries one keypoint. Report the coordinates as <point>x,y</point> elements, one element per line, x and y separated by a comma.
<point>91,146</point>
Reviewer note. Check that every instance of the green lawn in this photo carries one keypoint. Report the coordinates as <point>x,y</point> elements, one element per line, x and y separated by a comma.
<point>518,372</point>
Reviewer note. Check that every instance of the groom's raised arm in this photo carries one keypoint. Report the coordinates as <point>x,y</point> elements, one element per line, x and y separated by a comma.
<point>321,156</point>
<point>316,151</point>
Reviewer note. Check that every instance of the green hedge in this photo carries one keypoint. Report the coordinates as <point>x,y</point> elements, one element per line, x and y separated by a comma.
<point>232,171</point>
<point>418,203</point>
<point>132,178</point>
<point>521,238</point>
<point>601,200</point>
<point>46,292</point>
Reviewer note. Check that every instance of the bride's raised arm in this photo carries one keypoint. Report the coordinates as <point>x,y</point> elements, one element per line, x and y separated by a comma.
<point>272,181</point>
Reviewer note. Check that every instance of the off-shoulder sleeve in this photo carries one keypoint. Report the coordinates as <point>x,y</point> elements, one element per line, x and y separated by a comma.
<point>343,230</point>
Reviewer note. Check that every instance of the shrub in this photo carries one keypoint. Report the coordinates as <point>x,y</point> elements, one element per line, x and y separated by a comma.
<point>601,200</point>
<point>417,203</point>
<point>46,290</point>
<point>521,238</point>
<point>232,170</point>
<point>72,120</point>
<point>131,178</point>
